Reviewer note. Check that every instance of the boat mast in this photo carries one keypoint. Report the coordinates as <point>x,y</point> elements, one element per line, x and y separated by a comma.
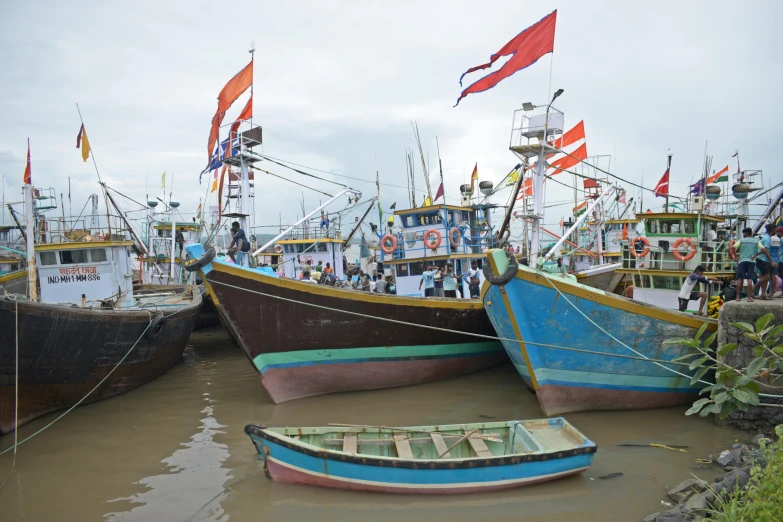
<point>29,214</point>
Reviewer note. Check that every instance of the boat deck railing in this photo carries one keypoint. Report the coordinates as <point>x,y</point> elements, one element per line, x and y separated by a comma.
<point>712,255</point>
<point>472,241</point>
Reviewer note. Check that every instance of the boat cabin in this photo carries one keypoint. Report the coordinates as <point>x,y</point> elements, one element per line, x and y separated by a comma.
<point>436,235</point>
<point>315,240</point>
<point>157,268</point>
<point>85,273</point>
<point>671,247</point>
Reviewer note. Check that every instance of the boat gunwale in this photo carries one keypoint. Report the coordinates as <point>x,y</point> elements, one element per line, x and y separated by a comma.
<point>262,431</point>
<point>340,293</point>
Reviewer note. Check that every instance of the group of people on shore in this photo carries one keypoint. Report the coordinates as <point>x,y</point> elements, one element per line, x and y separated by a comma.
<point>758,265</point>
<point>443,282</point>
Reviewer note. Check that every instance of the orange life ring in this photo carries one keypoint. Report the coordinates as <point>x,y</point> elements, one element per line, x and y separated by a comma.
<point>388,249</point>
<point>454,237</point>
<point>646,248</point>
<point>677,253</point>
<point>278,248</point>
<point>429,243</point>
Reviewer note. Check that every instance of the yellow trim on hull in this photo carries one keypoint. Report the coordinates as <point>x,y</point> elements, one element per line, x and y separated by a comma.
<point>16,274</point>
<point>522,348</point>
<point>339,293</point>
<point>614,301</point>
<point>81,244</point>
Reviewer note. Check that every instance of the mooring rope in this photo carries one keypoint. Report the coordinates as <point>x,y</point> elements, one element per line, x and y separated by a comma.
<point>69,410</point>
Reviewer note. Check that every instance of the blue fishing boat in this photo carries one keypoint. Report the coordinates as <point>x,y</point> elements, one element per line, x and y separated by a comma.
<point>447,459</point>
<point>581,348</point>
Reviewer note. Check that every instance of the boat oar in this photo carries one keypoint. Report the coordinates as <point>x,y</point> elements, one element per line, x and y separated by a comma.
<point>485,437</point>
<point>460,440</point>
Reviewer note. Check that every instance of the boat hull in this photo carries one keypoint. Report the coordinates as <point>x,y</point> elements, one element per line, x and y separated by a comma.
<point>64,352</point>
<point>300,339</point>
<point>596,372</point>
<point>286,462</point>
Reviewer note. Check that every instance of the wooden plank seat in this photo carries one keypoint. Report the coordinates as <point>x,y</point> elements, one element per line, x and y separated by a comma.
<point>440,445</point>
<point>480,447</point>
<point>350,443</point>
<point>404,450</point>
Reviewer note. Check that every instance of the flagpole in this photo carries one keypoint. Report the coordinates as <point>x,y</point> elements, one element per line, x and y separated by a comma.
<point>92,153</point>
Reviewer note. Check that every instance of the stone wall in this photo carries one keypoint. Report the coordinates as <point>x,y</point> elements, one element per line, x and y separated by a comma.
<point>757,418</point>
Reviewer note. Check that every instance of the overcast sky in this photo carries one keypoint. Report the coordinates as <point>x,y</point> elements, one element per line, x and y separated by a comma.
<point>337,84</point>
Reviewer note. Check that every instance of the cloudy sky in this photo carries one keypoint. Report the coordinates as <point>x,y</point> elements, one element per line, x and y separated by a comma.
<point>338,83</point>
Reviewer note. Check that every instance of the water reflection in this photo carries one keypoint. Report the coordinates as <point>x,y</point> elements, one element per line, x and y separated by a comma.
<point>196,478</point>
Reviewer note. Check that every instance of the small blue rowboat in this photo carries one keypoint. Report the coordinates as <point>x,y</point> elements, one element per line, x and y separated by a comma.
<point>449,459</point>
<point>581,348</point>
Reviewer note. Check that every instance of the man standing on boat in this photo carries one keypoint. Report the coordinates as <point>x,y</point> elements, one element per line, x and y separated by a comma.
<point>428,278</point>
<point>687,294</point>
<point>179,238</point>
<point>239,244</point>
<point>472,276</point>
<point>449,282</point>
<point>749,249</point>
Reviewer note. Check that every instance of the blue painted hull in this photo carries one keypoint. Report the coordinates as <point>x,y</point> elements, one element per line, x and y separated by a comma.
<point>285,462</point>
<point>530,308</point>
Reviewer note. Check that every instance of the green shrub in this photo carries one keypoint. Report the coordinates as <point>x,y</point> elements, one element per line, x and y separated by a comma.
<point>762,500</point>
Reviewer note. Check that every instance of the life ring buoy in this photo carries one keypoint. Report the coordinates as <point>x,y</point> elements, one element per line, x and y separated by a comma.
<point>278,248</point>
<point>454,236</point>
<point>676,251</point>
<point>506,276</point>
<point>205,259</point>
<point>643,252</point>
<point>429,242</point>
<point>385,246</point>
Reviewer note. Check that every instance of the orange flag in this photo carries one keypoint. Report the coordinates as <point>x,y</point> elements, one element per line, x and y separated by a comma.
<point>569,161</point>
<point>572,136</point>
<point>228,95</point>
<point>714,178</point>
<point>246,114</point>
<point>28,170</point>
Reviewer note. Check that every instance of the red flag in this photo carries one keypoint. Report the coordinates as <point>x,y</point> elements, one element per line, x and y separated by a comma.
<point>525,50</point>
<point>228,95</point>
<point>473,178</point>
<point>28,170</point>
<point>572,160</point>
<point>526,189</point>
<point>662,188</point>
<point>439,193</point>
<point>572,136</point>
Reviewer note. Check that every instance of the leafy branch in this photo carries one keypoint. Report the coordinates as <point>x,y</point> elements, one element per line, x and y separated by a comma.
<point>735,388</point>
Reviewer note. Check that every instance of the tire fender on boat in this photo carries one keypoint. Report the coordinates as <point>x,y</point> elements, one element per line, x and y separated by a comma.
<point>201,262</point>
<point>506,276</point>
<point>156,326</point>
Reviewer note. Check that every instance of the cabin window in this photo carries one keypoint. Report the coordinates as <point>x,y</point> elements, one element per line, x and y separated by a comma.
<point>402,270</point>
<point>409,221</point>
<point>417,268</point>
<point>666,282</point>
<point>322,247</point>
<point>665,226</point>
<point>48,258</point>
<point>688,227</point>
<point>3,235</point>
<point>71,257</point>
<point>98,255</point>
<point>641,281</point>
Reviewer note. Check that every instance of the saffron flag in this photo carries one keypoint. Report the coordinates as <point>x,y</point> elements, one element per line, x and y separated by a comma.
<point>28,170</point>
<point>719,176</point>
<point>525,50</point>
<point>246,114</point>
<point>439,193</point>
<point>228,95</point>
<point>573,159</point>
<point>572,136</point>
<point>81,141</point>
<point>473,178</point>
<point>526,189</point>
<point>662,188</point>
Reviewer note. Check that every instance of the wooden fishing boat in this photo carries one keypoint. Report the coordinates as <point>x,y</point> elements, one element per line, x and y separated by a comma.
<point>300,339</point>
<point>448,459</point>
<point>612,354</point>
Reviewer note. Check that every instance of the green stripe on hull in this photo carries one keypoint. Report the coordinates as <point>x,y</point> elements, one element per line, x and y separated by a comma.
<point>264,362</point>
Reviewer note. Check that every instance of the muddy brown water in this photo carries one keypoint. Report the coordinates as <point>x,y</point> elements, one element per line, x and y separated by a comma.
<point>175,450</point>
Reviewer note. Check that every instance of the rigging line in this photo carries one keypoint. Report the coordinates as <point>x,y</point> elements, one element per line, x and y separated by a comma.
<point>305,173</point>
<point>341,175</point>
<point>143,206</point>
<point>291,181</point>
<point>599,169</point>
